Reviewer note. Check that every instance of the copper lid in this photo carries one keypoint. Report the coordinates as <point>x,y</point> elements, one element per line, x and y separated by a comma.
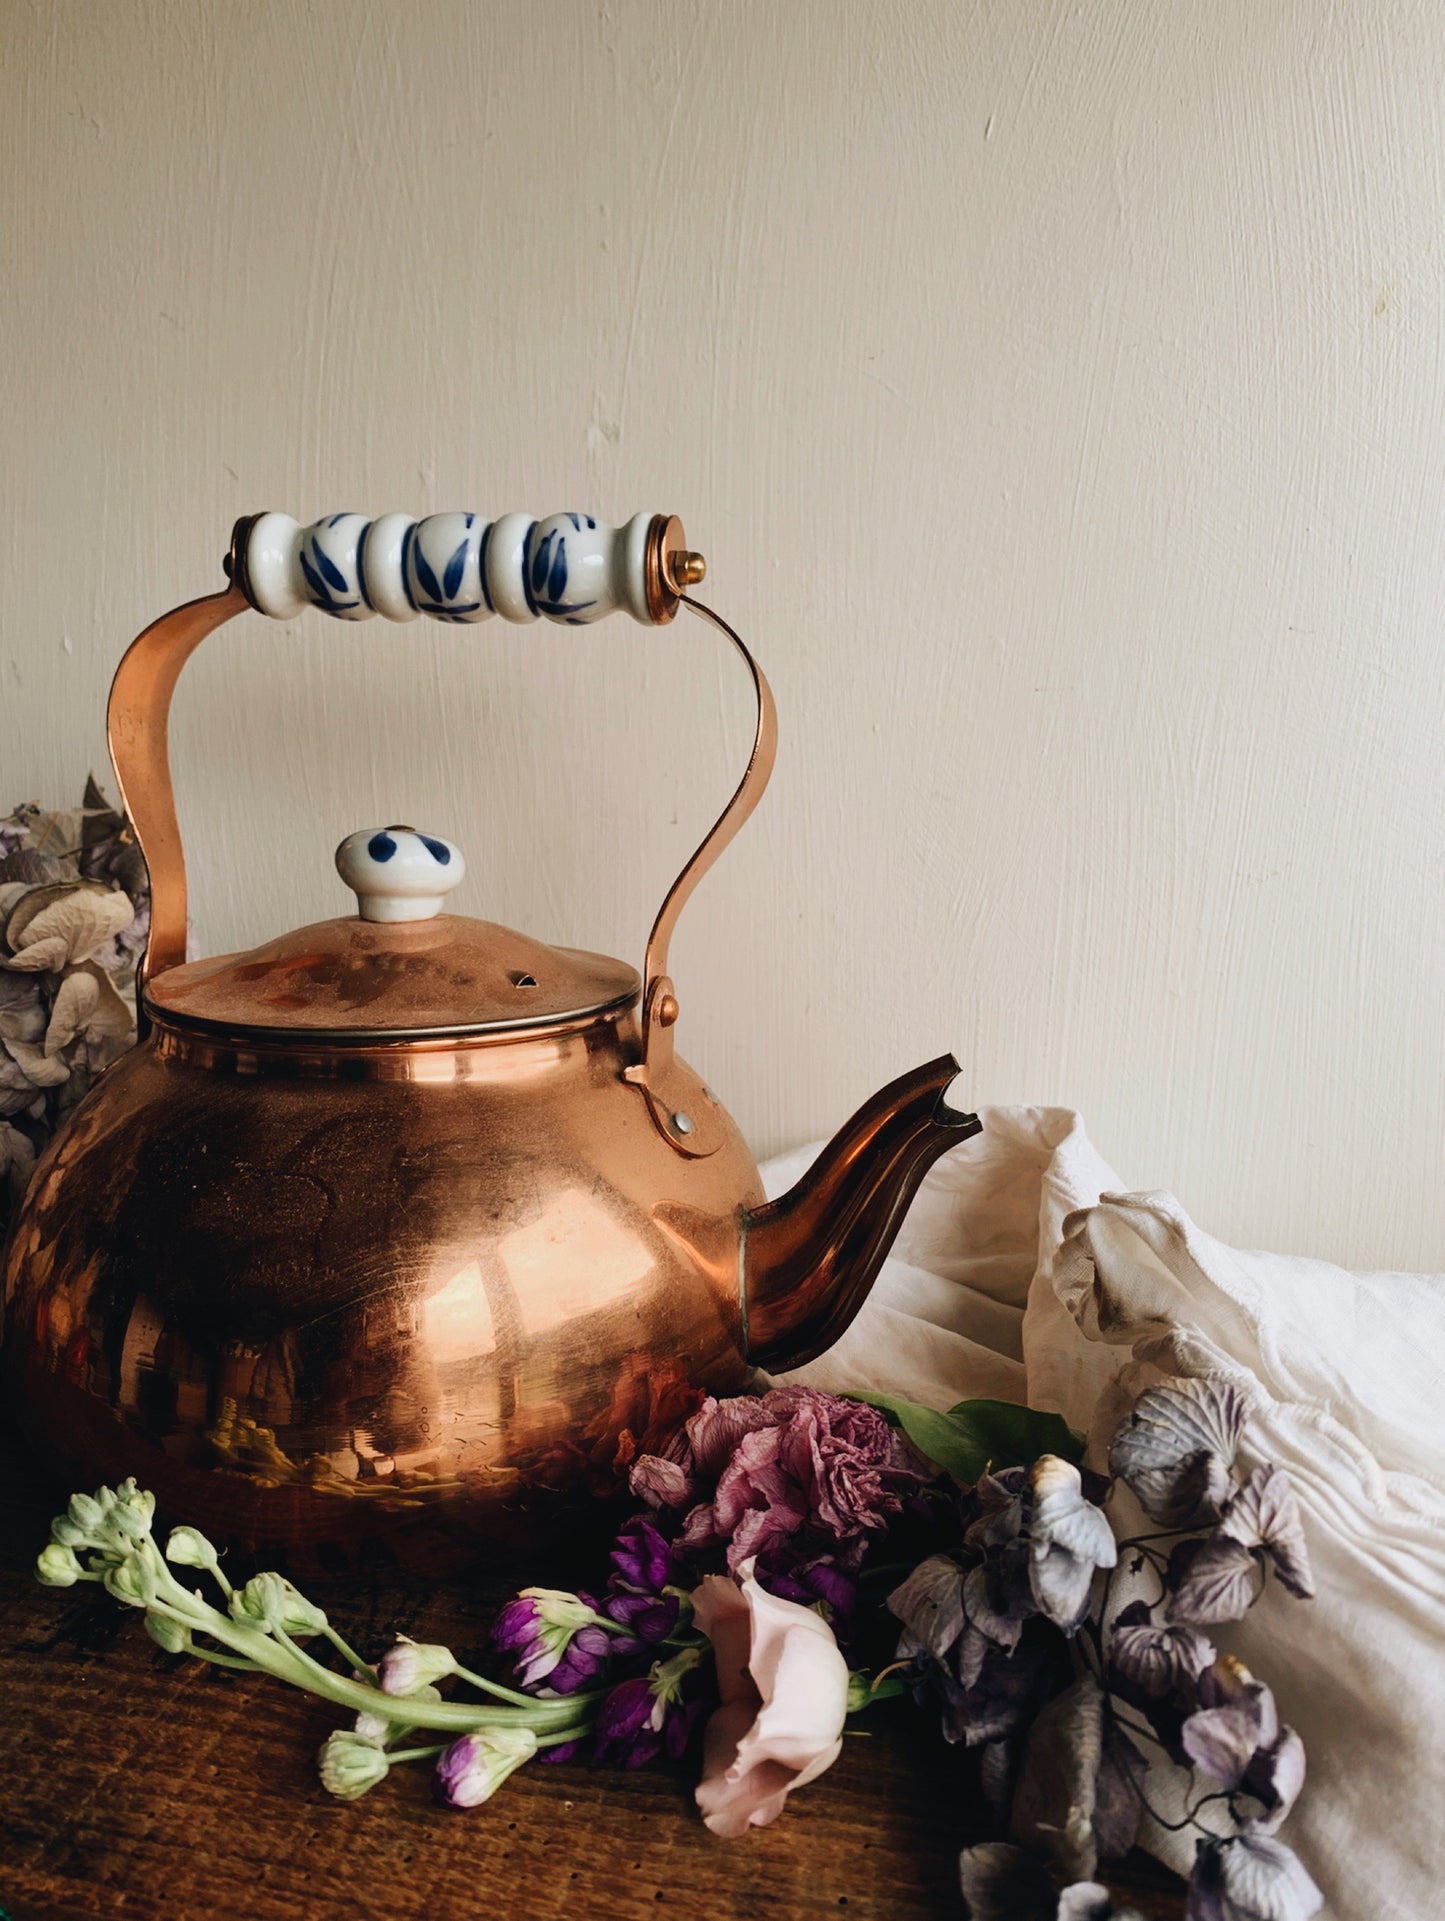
<point>354,979</point>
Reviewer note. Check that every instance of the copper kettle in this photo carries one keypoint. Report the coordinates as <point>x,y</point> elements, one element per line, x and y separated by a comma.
<point>404,1232</point>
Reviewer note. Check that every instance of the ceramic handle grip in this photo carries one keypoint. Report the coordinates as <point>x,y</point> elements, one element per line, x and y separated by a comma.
<point>460,567</point>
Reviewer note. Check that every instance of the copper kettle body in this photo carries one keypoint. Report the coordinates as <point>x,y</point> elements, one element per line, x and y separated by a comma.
<point>404,1235</point>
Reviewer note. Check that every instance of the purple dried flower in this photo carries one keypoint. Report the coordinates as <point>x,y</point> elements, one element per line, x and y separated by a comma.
<point>1235,1738</point>
<point>642,1557</point>
<point>646,1619</point>
<point>796,1463</point>
<point>814,1581</point>
<point>472,1769</point>
<point>663,1484</point>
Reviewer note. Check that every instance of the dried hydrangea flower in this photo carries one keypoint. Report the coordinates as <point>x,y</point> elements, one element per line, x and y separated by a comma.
<point>1053,1808</point>
<point>1176,1447</point>
<point>1250,1877</point>
<point>1069,1540</point>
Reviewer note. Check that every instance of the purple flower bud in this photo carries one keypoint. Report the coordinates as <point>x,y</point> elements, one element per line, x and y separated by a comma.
<point>642,1557</point>
<point>648,1618</point>
<point>554,1637</point>
<point>472,1769</point>
<point>413,1664</point>
<point>642,1716</point>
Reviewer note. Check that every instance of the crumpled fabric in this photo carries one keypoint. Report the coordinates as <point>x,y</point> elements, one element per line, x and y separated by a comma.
<point>1024,1273</point>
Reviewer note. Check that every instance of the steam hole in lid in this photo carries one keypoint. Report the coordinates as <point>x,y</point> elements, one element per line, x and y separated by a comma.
<point>524,980</point>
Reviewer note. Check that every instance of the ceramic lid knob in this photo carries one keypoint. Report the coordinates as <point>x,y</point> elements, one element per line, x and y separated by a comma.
<point>397,873</point>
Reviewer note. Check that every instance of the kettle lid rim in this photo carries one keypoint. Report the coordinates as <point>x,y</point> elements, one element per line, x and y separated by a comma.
<point>349,981</point>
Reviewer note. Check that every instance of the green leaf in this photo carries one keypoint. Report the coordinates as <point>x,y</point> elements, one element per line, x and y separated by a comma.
<point>980,1434</point>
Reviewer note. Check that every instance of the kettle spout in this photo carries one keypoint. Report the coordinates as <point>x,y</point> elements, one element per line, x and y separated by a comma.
<point>810,1257</point>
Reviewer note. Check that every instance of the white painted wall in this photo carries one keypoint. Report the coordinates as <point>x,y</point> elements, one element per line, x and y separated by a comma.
<point>1057,392</point>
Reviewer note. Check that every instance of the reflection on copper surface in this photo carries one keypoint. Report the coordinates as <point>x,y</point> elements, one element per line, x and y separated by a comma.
<point>574,1260</point>
<point>456,1321</point>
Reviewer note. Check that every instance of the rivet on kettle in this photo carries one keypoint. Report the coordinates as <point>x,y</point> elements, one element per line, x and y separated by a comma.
<point>667,1010</point>
<point>682,1123</point>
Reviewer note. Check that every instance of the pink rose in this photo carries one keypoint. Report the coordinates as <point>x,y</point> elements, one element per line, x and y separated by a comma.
<point>784,1689</point>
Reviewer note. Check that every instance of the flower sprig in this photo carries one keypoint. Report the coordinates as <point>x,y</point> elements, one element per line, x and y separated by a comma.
<point>106,1538</point>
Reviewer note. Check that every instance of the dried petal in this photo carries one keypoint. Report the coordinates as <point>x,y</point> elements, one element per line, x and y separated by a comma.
<point>1061,1575</point>
<point>1274,1777</point>
<point>1236,1717</point>
<point>1156,1658</point>
<point>662,1483</point>
<point>83,918</point>
<point>36,1065</point>
<point>1004,1883</point>
<point>998,1600</point>
<point>1250,1877</point>
<point>1118,1801</point>
<point>1176,1446</point>
<point>1264,1513</point>
<point>1211,1580</point>
<point>930,1604</point>
<point>1063,1518</point>
<point>1053,1809</point>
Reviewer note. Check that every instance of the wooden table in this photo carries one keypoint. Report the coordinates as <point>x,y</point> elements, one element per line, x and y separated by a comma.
<point>135,1785</point>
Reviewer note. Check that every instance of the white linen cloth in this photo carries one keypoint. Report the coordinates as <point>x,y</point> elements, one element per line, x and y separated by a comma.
<point>1022,1273</point>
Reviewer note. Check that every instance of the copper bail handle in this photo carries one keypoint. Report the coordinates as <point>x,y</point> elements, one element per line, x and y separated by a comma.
<point>456,567</point>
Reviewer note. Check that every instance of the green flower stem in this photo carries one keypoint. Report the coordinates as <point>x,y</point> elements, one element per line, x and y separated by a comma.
<point>348,1653</point>
<point>556,1739</point>
<point>415,1754</point>
<point>455,1717</point>
<point>223,1660</point>
<point>495,1687</point>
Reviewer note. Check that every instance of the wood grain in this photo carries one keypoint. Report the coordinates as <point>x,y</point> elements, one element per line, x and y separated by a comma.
<point>142,1786</point>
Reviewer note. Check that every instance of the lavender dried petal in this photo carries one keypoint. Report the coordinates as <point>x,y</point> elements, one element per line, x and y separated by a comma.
<point>998,1602</point>
<point>1000,1502</point>
<point>1264,1513</point>
<point>930,1604</point>
<point>1210,1581</point>
<point>1156,1658</point>
<point>1274,1778</point>
<point>1250,1877</point>
<point>1176,1446</point>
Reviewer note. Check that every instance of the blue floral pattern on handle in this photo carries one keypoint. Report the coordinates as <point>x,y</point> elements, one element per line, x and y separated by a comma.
<point>456,567</point>
<point>547,572</point>
<point>444,568</point>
